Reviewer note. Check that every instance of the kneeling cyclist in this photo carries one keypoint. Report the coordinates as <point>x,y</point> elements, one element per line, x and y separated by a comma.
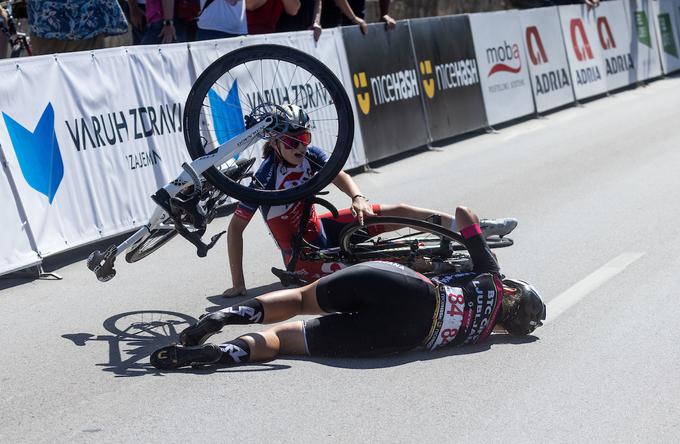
<point>291,158</point>
<point>370,309</point>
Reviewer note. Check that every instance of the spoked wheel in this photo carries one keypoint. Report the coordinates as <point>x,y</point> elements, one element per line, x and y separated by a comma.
<point>151,243</point>
<point>254,82</point>
<point>414,243</point>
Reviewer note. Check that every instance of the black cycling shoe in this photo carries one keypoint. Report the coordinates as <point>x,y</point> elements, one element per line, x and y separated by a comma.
<point>207,325</point>
<point>174,356</point>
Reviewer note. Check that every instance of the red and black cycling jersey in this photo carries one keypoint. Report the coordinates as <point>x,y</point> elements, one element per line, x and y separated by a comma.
<point>283,220</point>
<point>468,304</point>
<point>384,307</point>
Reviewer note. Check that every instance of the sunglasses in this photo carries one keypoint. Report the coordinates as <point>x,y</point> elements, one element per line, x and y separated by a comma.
<point>293,140</point>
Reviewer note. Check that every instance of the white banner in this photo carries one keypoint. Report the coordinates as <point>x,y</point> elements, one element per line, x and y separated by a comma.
<point>257,83</point>
<point>644,46</point>
<point>90,136</point>
<point>502,63</point>
<point>550,77</point>
<point>583,52</point>
<point>15,247</point>
<point>666,13</point>
<point>615,37</point>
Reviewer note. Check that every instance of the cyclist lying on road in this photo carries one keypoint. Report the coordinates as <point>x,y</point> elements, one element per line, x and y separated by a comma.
<point>370,309</point>
<point>291,158</point>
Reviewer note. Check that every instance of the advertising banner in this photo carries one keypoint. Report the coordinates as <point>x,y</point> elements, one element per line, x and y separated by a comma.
<point>15,247</point>
<point>614,36</point>
<point>386,89</point>
<point>666,15</point>
<point>445,54</point>
<point>90,136</point>
<point>502,63</point>
<point>588,71</point>
<point>644,46</point>
<point>548,66</point>
<point>261,87</point>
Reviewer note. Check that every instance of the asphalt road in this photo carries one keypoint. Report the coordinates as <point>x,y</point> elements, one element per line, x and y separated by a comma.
<point>596,191</point>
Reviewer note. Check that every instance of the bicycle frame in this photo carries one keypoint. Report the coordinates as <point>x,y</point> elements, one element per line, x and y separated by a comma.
<point>189,176</point>
<point>102,263</point>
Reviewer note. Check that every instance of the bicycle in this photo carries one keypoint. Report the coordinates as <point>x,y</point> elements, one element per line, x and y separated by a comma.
<point>18,41</point>
<point>424,246</point>
<point>222,134</point>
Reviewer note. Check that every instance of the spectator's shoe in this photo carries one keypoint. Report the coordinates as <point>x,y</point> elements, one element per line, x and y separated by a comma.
<point>208,324</point>
<point>497,227</point>
<point>175,356</point>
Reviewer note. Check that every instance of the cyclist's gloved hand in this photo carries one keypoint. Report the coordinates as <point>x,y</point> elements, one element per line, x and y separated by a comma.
<point>361,208</point>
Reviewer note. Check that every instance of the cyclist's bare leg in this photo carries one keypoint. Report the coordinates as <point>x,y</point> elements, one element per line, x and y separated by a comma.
<point>284,339</point>
<point>404,210</point>
<point>272,307</point>
<point>285,304</point>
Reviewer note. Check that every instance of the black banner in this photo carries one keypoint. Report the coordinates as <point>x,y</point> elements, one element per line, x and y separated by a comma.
<point>387,89</point>
<point>450,80</point>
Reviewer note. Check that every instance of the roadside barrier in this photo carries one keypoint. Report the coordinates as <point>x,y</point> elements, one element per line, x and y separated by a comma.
<point>85,138</point>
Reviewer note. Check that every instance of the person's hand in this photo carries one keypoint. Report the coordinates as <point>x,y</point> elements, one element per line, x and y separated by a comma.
<point>592,3</point>
<point>4,15</point>
<point>168,34</point>
<point>362,25</point>
<point>136,17</point>
<point>390,23</point>
<point>235,291</point>
<point>316,27</point>
<point>361,208</point>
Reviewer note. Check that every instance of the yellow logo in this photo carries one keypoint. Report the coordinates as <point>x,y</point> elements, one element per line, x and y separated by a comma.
<point>163,355</point>
<point>428,83</point>
<point>364,99</point>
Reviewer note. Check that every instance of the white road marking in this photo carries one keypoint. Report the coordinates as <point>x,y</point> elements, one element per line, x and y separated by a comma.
<point>581,289</point>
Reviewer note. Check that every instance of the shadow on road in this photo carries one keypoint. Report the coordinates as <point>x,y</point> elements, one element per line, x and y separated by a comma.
<point>417,355</point>
<point>135,335</point>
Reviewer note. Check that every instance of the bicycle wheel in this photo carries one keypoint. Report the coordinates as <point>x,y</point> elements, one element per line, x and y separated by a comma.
<point>151,243</point>
<point>250,83</point>
<point>403,240</point>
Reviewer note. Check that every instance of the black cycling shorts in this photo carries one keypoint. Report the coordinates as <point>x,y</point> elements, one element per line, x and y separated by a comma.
<point>378,307</point>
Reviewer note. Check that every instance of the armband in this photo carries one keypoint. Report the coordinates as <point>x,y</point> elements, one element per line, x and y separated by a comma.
<point>360,195</point>
<point>471,231</point>
<point>168,22</point>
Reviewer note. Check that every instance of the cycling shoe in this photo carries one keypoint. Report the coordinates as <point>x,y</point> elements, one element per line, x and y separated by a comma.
<point>208,324</point>
<point>175,356</point>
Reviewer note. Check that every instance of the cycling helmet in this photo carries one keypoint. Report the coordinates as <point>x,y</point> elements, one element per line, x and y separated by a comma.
<point>527,313</point>
<point>292,119</point>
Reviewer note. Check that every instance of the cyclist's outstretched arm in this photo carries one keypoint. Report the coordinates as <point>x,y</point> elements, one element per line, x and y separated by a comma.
<point>483,260</point>
<point>360,206</point>
<point>235,253</point>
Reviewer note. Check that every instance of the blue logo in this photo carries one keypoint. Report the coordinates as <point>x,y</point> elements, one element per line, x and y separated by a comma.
<point>38,153</point>
<point>227,114</point>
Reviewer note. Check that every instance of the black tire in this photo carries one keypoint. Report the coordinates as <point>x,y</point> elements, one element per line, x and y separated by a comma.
<point>151,243</point>
<point>406,240</point>
<point>195,106</point>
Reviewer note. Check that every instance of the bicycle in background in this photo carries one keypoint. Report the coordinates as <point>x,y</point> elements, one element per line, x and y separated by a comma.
<point>19,42</point>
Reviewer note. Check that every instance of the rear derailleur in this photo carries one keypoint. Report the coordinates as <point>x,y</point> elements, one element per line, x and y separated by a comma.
<point>189,209</point>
